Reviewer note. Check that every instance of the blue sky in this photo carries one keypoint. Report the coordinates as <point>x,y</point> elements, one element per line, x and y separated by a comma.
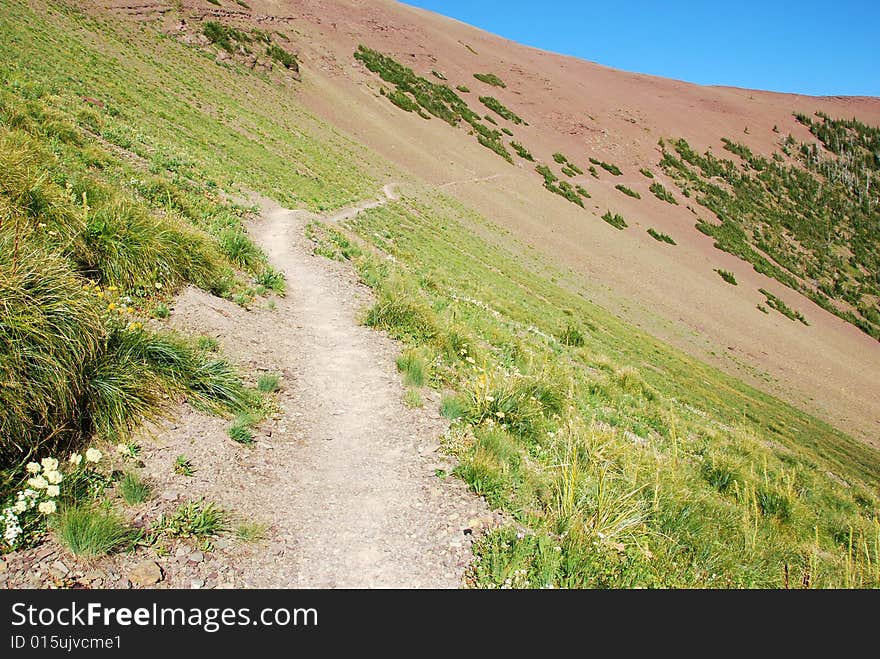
<point>799,46</point>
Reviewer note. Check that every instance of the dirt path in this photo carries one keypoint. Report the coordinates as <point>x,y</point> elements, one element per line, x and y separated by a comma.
<point>351,473</point>
<point>344,476</point>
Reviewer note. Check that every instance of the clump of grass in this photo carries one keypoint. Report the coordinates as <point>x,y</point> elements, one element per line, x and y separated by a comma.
<point>608,167</point>
<point>463,89</point>
<point>490,79</point>
<point>240,249</point>
<point>661,237</point>
<point>241,430</point>
<point>161,311</point>
<point>133,489</point>
<point>271,279</point>
<point>183,466</point>
<point>500,109</point>
<point>776,303</point>
<point>286,59</point>
<point>89,531</point>
<point>727,276</point>
<point>615,219</point>
<point>251,531</point>
<point>452,407</point>
<point>207,344</point>
<point>572,336</point>
<point>269,383</point>
<point>629,193</point>
<point>646,172</point>
<point>194,519</point>
<point>413,367</point>
<point>413,399</point>
<point>403,317</point>
<point>662,193</point>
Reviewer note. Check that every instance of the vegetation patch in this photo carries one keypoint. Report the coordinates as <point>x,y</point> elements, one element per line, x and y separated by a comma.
<point>661,237</point>
<point>629,193</point>
<point>615,219</point>
<point>498,108</point>
<point>662,193</point>
<point>522,152</point>
<point>490,79</point>
<point>612,169</point>
<point>727,276</point>
<point>810,224</point>
<point>775,303</point>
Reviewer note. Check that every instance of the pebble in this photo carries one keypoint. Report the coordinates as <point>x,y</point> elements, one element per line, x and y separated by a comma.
<point>196,557</point>
<point>146,573</point>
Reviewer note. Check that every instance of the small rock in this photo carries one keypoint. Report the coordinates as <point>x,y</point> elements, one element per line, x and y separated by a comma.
<point>181,551</point>
<point>3,566</point>
<point>197,583</point>
<point>146,573</point>
<point>58,569</point>
<point>169,495</point>
<point>196,557</point>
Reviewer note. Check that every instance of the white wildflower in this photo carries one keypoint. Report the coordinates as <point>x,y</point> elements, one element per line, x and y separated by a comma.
<point>54,477</point>
<point>49,464</point>
<point>47,507</point>
<point>33,467</point>
<point>75,459</point>
<point>53,491</point>
<point>37,482</point>
<point>93,455</point>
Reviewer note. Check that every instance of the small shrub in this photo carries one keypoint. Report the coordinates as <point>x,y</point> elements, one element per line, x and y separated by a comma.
<point>646,172</point>
<point>133,489</point>
<point>490,79</point>
<point>560,159</point>
<point>522,152</point>
<point>572,336</point>
<point>662,193</point>
<point>287,60</point>
<point>727,276</point>
<point>629,193</point>
<point>615,219</point>
<point>161,311</point>
<point>662,237</point>
<point>251,531</point>
<point>463,89</point>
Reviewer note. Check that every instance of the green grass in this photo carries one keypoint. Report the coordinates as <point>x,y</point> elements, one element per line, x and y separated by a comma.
<point>251,532</point>
<point>615,219</point>
<point>727,276</point>
<point>183,466</point>
<point>269,383</point>
<point>194,519</point>
<point>501,110</point>
<point>621,469</point>
<point>646,172</point>
<point>241,430</point>
<point>660,237</point>
<point>413,399</point>
<point>161,311</point>
<point>608,167</point>
<point>490,79</point>
<point>776,303</point>
<point>801,219</point>
<point>133,489</point>
<point>463,89</point>
<point>413,367</point>
<point>662,193</point>
<point>89,531</point>
<point>629,193</point>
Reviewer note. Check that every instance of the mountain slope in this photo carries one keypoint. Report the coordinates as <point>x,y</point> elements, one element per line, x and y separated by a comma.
<point>622,461</point>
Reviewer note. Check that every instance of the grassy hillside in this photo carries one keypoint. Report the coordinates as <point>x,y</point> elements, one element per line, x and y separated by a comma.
<point>621,461</point>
